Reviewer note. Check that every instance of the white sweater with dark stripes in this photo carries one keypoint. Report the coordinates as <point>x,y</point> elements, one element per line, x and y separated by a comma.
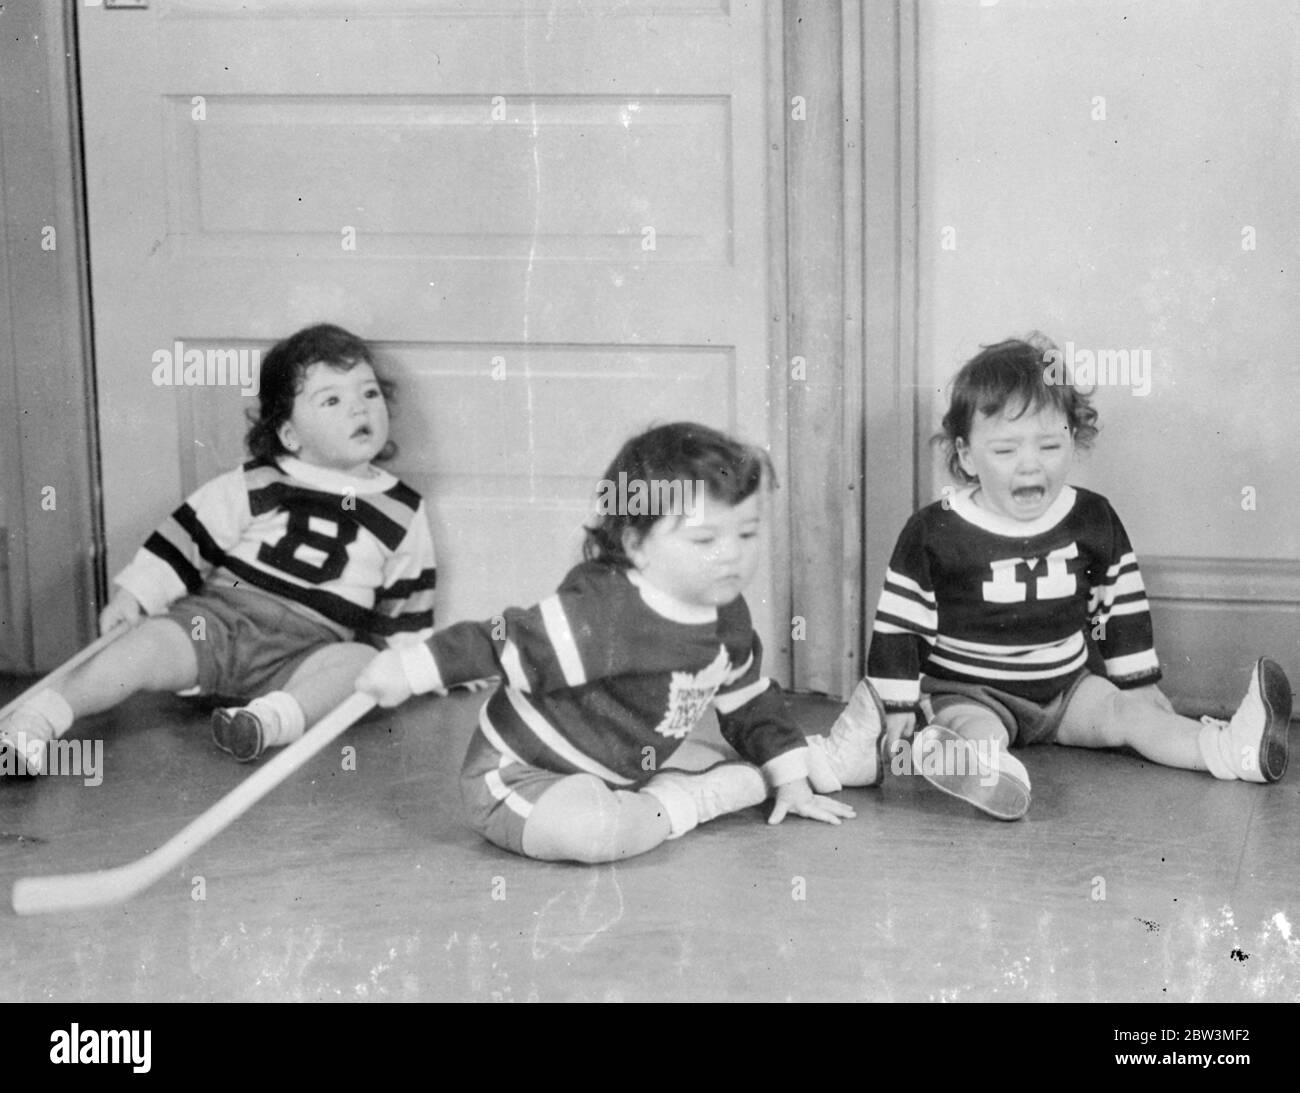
<point>355,553</point>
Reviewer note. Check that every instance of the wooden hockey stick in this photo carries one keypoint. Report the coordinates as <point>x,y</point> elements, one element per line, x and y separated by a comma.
<point>63,669</point>
<point>77,891</point>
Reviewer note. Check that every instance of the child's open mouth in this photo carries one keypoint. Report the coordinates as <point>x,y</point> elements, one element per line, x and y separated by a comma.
<point>364,431</point>
<point>1028,495</point>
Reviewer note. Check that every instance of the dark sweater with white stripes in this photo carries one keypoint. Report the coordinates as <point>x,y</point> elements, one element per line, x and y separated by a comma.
<point>609,675</point>
<point>980,598</point>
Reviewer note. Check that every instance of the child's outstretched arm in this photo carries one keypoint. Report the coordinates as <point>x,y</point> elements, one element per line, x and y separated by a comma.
<point>534,649</point>
<point>756,721</point>
<point>907,620</point>
<point>404,601</point>
<point>1121,620</point>
<point>123,608</point>
<point>178,556</point>
<point>384,679</point>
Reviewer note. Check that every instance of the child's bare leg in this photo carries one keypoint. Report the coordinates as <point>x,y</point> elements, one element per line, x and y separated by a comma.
<point>974,722</point>
<point>155,656</point>
<point>1252,746</point>
<point>963,751</point>
<point>326,677</point>
<point>316,686</point>
<point>1100,715</point>
<point>581,819</point>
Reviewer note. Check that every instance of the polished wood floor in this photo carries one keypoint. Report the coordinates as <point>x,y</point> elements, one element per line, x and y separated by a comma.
<point>1126,882</point>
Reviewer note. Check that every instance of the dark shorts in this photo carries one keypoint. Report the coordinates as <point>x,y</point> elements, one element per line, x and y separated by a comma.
<point>1027,722</point>
<point>499,792</point>
<point>246,643</point>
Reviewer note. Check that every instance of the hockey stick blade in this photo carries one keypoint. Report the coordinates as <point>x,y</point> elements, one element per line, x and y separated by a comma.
<point>78,891</point>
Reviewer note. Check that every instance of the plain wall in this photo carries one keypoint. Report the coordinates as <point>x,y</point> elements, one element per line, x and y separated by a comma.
<point>1126,232</point>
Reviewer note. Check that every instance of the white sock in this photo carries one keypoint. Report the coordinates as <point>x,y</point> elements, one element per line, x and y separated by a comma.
<point>52,708</point>
<point>821,773</point>
<point>1210,742</point>
<point>282,718</point>
<point>678,806</point>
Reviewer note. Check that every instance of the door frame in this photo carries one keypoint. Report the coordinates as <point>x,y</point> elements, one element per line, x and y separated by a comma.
<point>844,272</point>
<point>53,539</point>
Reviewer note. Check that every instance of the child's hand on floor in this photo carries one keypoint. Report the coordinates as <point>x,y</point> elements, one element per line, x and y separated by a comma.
<point>384,679</point>
<point>798,797</point>
<point>122,608</point>
<point>898,729</point>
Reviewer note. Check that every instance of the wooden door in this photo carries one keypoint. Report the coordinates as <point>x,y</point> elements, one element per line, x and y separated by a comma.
<point>551,219</point>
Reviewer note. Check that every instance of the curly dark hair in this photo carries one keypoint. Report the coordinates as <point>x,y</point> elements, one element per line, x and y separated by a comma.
<point>284,370</point>
<point>683,452</point>
<point>1012,373</point>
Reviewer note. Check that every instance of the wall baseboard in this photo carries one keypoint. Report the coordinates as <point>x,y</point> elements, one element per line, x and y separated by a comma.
<point>1213,618</point>
<point>1222,580</point>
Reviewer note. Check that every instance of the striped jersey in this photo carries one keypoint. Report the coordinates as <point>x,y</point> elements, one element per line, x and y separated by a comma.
<point>976,597</point>
<point>610,674</point>
<point>354,553</point>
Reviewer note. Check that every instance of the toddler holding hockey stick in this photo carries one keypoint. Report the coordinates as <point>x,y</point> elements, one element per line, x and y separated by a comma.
<point>992,593</point>
<point>604,680</point>
<point>266,583</point>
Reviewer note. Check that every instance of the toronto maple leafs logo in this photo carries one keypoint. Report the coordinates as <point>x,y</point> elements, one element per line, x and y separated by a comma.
<point>689,695</point>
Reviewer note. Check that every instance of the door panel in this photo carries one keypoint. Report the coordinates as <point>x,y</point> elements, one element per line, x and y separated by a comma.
<point>551,220</point>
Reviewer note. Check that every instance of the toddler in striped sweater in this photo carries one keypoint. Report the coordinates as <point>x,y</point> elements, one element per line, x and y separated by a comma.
<point>582,753</point>
<point>1014,613</point>
<point>270,587</point>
